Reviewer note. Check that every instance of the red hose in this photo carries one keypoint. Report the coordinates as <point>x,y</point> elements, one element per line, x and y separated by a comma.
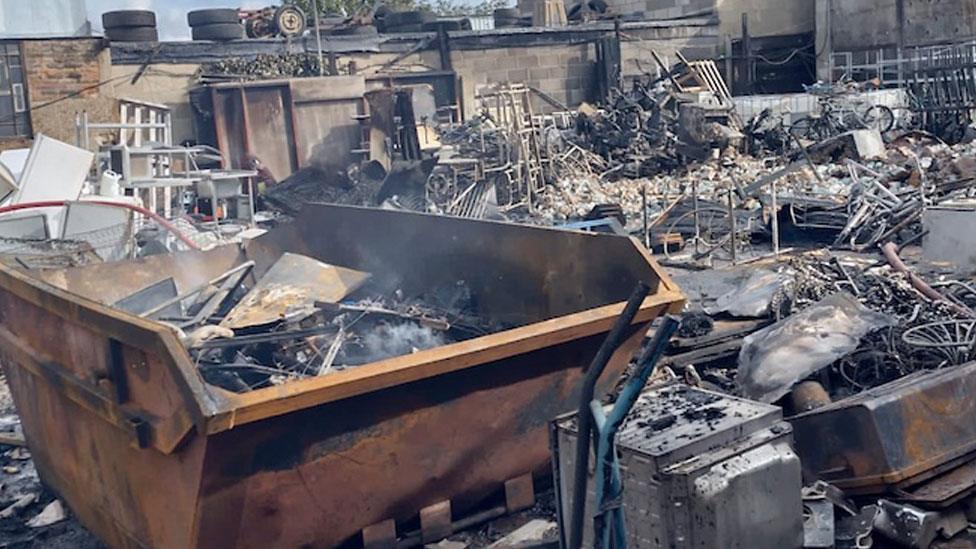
<point>139,209</point>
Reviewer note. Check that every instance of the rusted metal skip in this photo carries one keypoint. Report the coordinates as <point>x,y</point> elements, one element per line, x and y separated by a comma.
<point>892,436</point>
<point>146,454</point>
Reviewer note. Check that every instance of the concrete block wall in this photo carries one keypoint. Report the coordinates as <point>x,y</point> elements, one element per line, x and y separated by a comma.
<point>560,62</point>
<point>566,71</point>
<point>933,21</point>
<point>872,24</point>
<point>766,17</point>
<point>692,42</point>
<point>673,9</point>
<point>562,71</point>
<point>162,84</point>
<point>861,24</point>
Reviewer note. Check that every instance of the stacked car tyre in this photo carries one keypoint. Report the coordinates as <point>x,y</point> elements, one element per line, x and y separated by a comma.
<point>215,24</point>
<point>130,26</point>
<point>361,30</point>
<point>447,24</point>
<point>507,17</point>
<point>407,21</point>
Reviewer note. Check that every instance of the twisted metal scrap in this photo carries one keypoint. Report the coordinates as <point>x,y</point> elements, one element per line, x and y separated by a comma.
<point>930,334</point>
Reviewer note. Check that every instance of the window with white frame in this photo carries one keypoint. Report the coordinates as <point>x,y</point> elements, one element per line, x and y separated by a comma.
<point>14,115</point>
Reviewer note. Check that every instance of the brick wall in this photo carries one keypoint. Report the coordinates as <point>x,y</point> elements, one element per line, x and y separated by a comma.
<point>62,80</point>
<point>60,67</point>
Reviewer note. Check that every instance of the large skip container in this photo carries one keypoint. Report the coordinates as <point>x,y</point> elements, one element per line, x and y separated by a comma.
<point>121,424</point>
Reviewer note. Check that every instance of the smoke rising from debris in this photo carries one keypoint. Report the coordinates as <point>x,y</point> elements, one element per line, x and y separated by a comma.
<point>389,340</point>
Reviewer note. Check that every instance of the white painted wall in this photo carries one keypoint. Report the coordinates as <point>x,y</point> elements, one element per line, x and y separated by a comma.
<point>43,18</point>
<point>798,105</point>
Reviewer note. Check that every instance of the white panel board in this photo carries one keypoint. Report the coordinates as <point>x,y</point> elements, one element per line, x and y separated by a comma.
<point>15,160</point>
<point>54,171</point>
<point>107,228</point>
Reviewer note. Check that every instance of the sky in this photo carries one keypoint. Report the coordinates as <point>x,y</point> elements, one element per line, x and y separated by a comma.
<point>170,14</point>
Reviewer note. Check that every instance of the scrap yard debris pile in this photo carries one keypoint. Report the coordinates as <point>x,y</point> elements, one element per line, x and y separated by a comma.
<point>822,370</point>
<point>510,161</point>
<point>869,355</point>
<point>858,323</point>
<point>305,318</point>
<point>661,159</point>
<point>261,67</point>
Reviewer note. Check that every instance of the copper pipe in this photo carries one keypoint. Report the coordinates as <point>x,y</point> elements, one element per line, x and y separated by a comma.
<point>890,251</point>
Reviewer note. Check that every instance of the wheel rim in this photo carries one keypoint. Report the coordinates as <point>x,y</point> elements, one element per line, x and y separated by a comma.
<point>290,22</point>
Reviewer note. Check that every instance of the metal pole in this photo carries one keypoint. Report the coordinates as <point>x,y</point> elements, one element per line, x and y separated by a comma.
<point>608,485</point>
<point>775,221</point>
<point>694,193</point>
<point>729,71</point>
<point>318,36</point>
<point>747,69</point>
<point>732,224</point>
<point>584,419</point>
<point>251,192</point>
<point>647,234</point>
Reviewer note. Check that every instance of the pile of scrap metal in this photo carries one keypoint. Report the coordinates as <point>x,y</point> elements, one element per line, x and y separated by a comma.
<point>862,194</point>
<point>863,199</point>
<point>507,159</point>
<point>263,66</point>
<point>304,318</point>
<point>511,162</point>
<point>652,128</point>
<point>873,367</point>
<point>396,171</point>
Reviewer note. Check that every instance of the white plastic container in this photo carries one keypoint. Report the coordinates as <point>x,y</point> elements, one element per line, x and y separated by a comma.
<point>108,184</point>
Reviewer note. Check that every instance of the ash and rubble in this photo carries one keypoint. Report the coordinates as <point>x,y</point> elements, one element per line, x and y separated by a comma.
<point>843,299</point>
<point>851,308</point>
<point>837,316</point>
<point>369,325</point>
<point>641,153</point>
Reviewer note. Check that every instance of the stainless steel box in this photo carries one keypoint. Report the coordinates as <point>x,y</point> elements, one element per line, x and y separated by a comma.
<point>699,469</point>
<point>950,234</point>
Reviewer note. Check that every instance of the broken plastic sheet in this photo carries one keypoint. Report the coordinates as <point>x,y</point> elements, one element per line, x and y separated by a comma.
<point>773,359</point>
<point>751,298</point>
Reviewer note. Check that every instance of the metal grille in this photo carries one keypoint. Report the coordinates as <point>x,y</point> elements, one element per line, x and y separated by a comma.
<point>894,67</point>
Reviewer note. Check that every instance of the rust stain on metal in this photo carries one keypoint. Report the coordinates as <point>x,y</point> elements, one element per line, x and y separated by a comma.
<point>311,463</point>
<point>893,436</point>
